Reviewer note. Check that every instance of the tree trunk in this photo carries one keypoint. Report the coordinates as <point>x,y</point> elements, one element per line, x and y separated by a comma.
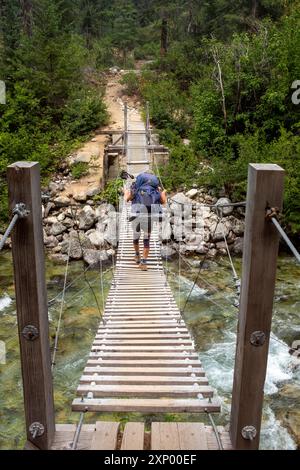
<point>164,37</point>
<point>26,12</point>
<point>254,8</point>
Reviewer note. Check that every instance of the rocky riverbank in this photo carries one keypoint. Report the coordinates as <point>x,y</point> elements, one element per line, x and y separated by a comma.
<point>76,225</point>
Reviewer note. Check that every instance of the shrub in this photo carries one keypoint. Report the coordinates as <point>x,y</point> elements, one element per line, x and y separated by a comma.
<point>79,169</point>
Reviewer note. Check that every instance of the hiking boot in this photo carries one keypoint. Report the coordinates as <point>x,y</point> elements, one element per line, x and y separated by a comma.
<point>143,265</point>
<point>137,259</point>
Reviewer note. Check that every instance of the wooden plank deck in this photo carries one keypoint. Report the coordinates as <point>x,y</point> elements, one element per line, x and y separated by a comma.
<point>143,358</point>
<point>162,436</point>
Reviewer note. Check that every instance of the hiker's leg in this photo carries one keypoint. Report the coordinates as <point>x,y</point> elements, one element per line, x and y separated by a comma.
<point>146,246</point>
<point>136,240</point>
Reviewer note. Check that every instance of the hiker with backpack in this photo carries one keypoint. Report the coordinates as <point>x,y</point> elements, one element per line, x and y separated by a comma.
<point>146,196</point>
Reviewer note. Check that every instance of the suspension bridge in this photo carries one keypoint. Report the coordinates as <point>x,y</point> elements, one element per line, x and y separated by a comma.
<point>143,358</point>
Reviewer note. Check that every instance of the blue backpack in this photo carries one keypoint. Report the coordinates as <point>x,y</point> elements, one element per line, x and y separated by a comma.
<point>146,194</point>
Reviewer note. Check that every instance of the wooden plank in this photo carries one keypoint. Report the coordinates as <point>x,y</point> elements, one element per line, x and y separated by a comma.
<point>184,363</point>
<point>143,355</point>
<point>31,299</point>
<point>149,405</point>
<point>155,391</point>
<point>192,436</point>
<point>133,436</point>
<point>141,371</point>
<point>265,186</point>
<point>107,347</point>
<point>105,436</point>
<point>126,342</point>
<point>164,436</point>
<point>143,331</point>
<point>146,379</point>
<point>144,335</point>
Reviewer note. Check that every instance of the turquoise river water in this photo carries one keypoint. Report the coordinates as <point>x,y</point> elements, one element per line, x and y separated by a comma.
<point>212,319</point>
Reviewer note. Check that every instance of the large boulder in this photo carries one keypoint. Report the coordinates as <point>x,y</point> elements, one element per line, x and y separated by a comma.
<point>86,218</point>
<point>96,238</point>
<point>111,231</point>
<point>76,247</point>
<point>95,258</point>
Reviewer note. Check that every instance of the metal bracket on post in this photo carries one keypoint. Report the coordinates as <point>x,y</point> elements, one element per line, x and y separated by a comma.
<point>258,338</point>
<point>30,332</point>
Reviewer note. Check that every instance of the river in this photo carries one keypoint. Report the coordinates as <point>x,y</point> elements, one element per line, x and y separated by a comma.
<point>211,317</point>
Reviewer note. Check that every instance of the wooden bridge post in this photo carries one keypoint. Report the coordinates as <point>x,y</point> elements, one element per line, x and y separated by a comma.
<point>265,188</point>
<point>32,305</point>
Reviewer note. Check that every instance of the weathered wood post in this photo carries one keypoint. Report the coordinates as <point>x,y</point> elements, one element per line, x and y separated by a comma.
<point>265,188</point>
<point>32,305</point>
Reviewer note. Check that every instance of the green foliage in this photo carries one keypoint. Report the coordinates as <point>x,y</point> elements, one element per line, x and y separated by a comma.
<point>111,193</point>
<point>79,169</point>
<point>131,82</point>
<point>84,112</point>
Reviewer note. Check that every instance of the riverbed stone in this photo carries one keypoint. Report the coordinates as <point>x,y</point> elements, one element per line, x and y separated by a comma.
<point>238,246</point>
<point>76,248</point>
<point>62,201</point>
<point>86,218</point>
<point>93,257</point>
<point>192,193</point>
<point>225,210</point>
<point>58,228</point>
<point>97,238</point>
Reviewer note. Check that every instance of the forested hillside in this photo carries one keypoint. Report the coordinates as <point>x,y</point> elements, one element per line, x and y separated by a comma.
<point>217,74</point>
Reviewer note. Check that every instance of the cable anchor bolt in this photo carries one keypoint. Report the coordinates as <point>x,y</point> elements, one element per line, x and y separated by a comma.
<point>249,433</point>
<point>21,211</point>
<point>36,430</point>
<point>258,338</point>
<point>30,332</point>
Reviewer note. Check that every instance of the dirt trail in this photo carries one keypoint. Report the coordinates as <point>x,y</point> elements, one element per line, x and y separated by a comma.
<point>93,151</point>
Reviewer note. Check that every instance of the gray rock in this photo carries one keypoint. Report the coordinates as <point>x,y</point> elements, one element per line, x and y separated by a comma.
<point>192,193</point>
<point>62,201</point>
<point>53,187</point>
<point>68,222</point>
<point>93,258</point>
<point>76,248</point>
<point>167,252</point>
<point>212,253</point>
<point>59,258</point>
<point>61,217</point>
<point>111,231</point>
<point>238,246</point>
<point>166,230</point>
<point>225,210</point>
<point>82,158</point>
<point>51,220</point>
<point>58,228</point>
<point>80,197</point>
<point>93,192</point>
<point>97,238</point>
<point>50,241</point>
<point>48,208</point>
<point>237,226</point>
<point>86,218</point>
